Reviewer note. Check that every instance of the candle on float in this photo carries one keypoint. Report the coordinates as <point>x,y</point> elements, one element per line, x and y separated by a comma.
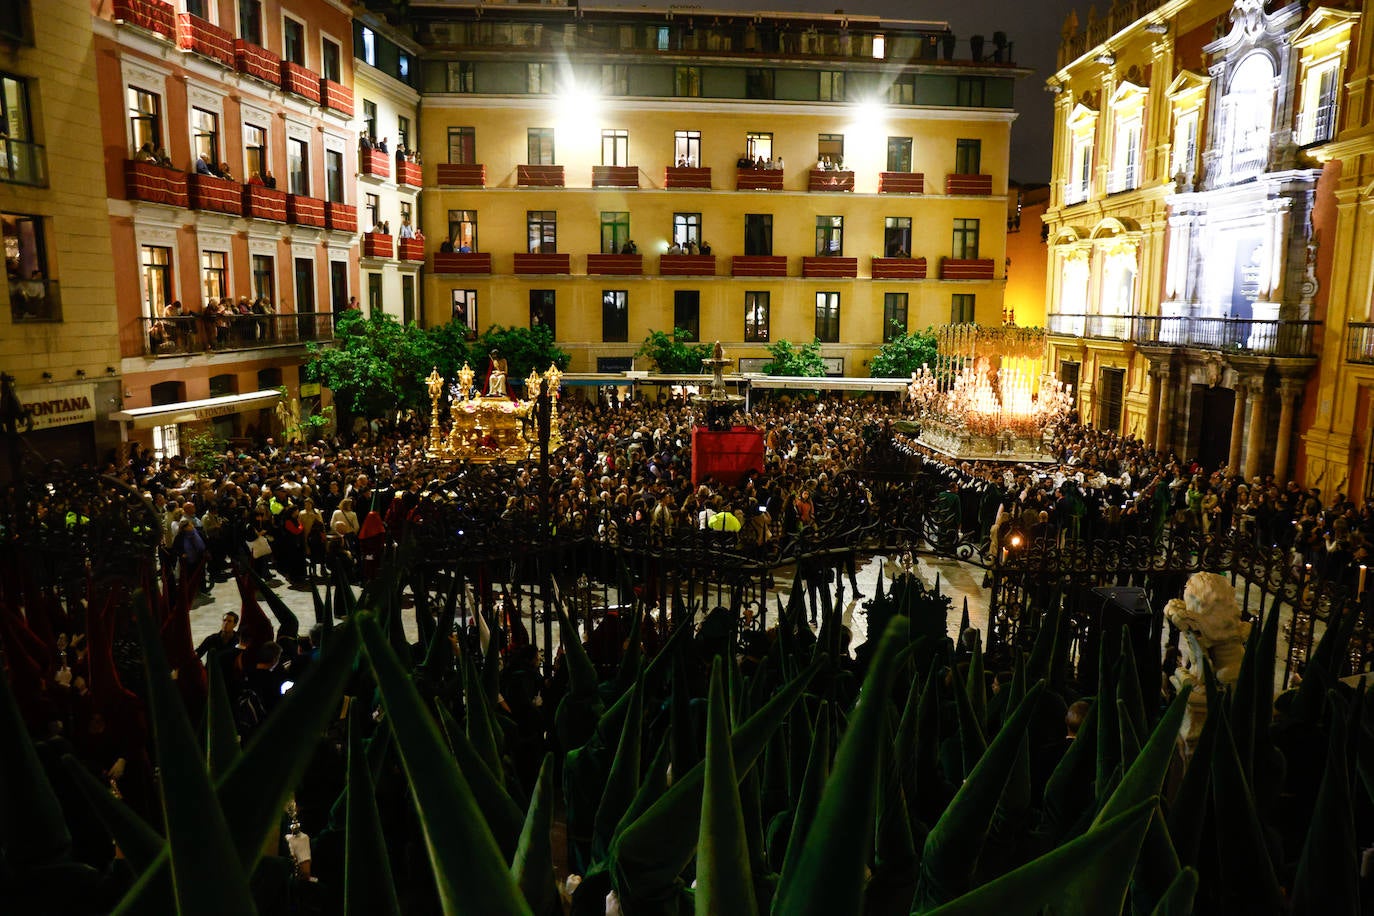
<point>1363,569</point>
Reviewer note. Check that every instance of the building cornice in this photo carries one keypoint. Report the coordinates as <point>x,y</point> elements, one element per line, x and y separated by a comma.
<point>531,103</point>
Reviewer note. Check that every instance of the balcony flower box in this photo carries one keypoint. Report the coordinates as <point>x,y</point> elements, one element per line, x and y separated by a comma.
<point>830,268</point>
<point>527,264</point>
<point>205,38</point>
<point>408,174</point>
<point>539,176</point>
<point>830,180</point>
<point>376,245</point>
<point>687,265</point>
<point>257,62</point>
<point>615,176</point>
<point>758,265</point>
<point>305,211</point>
<point>336,97</point>
<point>453,262</point>
<point>304,83</point>
<point>758,180</point>
<point>615,265</point>
<point>410,249</point>
<point>155,185</point>
<point>682,177</point>
<point>217,195</point>
<point>462,175</point>
<point>264,203</point>
<point>154,16</point>
<point>374,163</point>
<point>978,185</point>
<point>901,183</point>
<point>340,217</point>
<point>899,268</point>
<point>966,269</point>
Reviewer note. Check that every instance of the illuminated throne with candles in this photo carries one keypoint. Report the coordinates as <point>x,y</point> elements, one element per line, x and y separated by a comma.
<point>986,398</point>
<point>485,428</point>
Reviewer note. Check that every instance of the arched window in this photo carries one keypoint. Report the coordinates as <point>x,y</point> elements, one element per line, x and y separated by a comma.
<point>1247,118</point>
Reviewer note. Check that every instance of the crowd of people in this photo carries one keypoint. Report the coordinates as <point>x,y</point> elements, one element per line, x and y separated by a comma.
<point>225,323</point>
<point>283,510</point>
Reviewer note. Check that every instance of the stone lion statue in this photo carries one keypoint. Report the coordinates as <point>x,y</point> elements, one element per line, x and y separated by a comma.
<point>1210,620</point>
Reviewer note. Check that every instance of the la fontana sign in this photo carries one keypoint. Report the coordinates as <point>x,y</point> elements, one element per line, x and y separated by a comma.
<point>52,406</point>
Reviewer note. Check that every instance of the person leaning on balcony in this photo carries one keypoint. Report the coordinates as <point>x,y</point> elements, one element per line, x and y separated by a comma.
<point>255,179</point>
<point>262,307</point>
<point>446,246</point>
<point>381,146</point>
<point>145,154</point>
<point>203,165</point>
<point>407,230</point>
<point>269,180</point>
<point>224,172</point>
<point>164,160</point>
<point>364,142</point>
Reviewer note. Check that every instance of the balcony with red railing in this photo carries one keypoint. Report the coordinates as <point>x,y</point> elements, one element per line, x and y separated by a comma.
<point>376,245</point>
<point>534,264</point>
<point>203,37</point>
<point>336,97</point>
<point>976,185</point>
<point>966,269</point>
<point>408,174</point>
<point>154,184</point>
<point>899,269</point>
<point>374,163</point>
<point>901,183</point>
<point>257,62</point>
<point>683,177</point>
<point>830,180</point>
<point>261,202</point>
<point>465,262</point>
<point>539,176</point>
<point>154,16</point>
<point>828,267</point>
<point>687,265</point>
<point>758,265</point>
<point>615,265</point>
<point>462,175</point>
<point>297,79</point>
<point>340,217</point>
<point>758,180</point>
<point>305,211</point>
<point>410,249</point>
<point>218,195</point>
<point>615,176</point>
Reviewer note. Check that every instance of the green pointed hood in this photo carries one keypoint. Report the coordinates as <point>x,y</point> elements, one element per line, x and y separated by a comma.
<point>368,884</point>
<point>725,883</point>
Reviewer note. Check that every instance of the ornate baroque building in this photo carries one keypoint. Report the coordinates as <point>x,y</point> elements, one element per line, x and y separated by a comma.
<point>1188,208</point>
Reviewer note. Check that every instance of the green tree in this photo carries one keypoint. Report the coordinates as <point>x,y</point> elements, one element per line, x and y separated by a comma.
<point>903,355</point>
<point>674,353</point>
<point>522,348</point>
<point>376,365</point>
<point>792,360</point>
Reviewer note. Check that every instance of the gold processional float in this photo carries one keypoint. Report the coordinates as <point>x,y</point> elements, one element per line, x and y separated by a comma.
<point>491,426</point>
<point>987,398</point>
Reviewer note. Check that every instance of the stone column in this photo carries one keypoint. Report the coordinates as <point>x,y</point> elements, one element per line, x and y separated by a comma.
<point>1289,390</point>
<point>1163,422</point>
<point>1152,412</point>
<point>1255,434</point>
<point>1237,427</point>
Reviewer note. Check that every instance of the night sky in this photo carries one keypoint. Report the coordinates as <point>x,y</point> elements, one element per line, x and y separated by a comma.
<point>1032,26</point>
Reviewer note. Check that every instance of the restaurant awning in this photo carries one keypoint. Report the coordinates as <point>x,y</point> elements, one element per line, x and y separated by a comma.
<point>196,411</point>
<point>827,383</point>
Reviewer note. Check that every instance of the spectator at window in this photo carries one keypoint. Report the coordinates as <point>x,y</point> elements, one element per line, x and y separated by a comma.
<point>255,179</point>
<point>145,154</point>
<point>446,246</point>
<point>269,180</point>
<point>381,145</point>
<point>364,142</point>
<point>162,158</point>
<point>203,166</point>
<point>407,230</point>
<point>224,172</point>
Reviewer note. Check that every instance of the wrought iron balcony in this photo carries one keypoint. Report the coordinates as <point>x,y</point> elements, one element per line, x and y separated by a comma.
<point>1359,347</point>
<point>1266,337</point>
<point>189,334</point>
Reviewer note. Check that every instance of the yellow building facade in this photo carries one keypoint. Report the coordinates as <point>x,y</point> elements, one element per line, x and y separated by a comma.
<point>550,143</point>
<point>1187,207</point>
<point>58,335</point>
<point>1336,439</point>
